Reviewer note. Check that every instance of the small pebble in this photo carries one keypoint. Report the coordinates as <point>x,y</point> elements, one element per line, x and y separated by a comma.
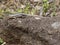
<point>37,18</point>
<point>3,43</point>
<point>19,21</point>
<point>56,25</point>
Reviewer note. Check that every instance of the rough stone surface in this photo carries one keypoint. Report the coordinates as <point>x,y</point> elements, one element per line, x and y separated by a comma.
<point>27,30</point>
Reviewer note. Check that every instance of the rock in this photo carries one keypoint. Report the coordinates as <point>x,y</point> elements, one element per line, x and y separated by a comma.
<point>31,31</point>
<point>56,25</point>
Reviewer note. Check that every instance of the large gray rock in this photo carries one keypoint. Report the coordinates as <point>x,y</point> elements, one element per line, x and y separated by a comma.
<point>31,30</point>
